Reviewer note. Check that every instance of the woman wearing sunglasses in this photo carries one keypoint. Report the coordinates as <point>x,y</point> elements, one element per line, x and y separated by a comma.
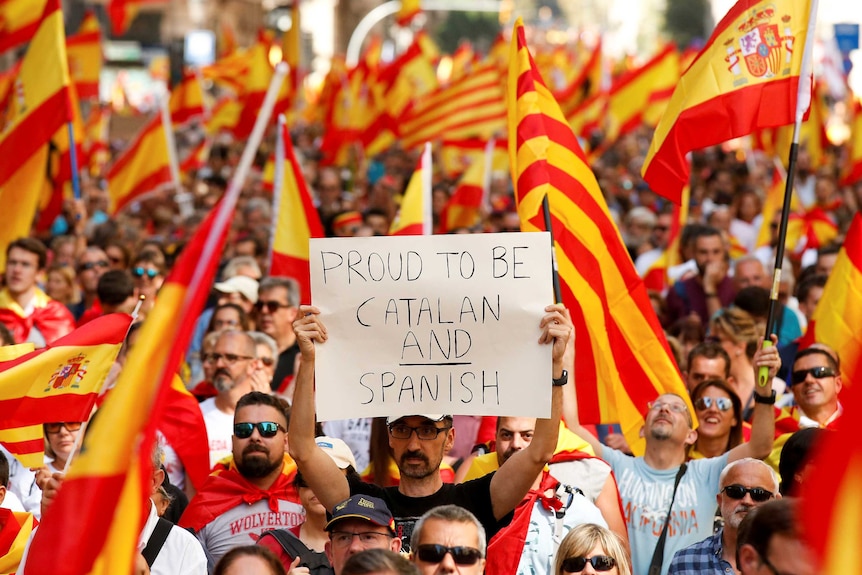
<point>719,417</point>
<point>60,441</point>
<point>590,548</point>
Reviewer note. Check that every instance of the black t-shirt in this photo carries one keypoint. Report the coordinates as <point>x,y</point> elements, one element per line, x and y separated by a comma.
<point>284,366</point>
<point>474,495</point>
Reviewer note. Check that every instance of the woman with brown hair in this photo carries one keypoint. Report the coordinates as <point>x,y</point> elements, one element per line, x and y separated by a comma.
<point>719,416</point>
<point>737,332</point>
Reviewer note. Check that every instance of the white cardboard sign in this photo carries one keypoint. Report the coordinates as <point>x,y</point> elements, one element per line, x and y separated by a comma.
<point>432,324</point>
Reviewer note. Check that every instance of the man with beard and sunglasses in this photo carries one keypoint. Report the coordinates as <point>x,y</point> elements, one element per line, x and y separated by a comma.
<point>744,485</point>
<point>253,492</point>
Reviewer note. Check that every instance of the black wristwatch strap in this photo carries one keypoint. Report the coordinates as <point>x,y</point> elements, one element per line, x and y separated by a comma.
<point>562,380</point>
<point>765,399</point>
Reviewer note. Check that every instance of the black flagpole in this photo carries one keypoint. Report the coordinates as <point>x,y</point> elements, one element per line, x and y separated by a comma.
<point>546,210</point>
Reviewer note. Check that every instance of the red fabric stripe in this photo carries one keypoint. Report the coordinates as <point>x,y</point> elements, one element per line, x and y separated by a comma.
<point>33,131</point>
<point>27,446</point>
<point>443,128</point>
<point>251,104</point>
<point>634,75</point>
<point>87,90</point>
<point>420,122</point>
<point>18,36</point>
<point>429,106</point>
<point>155,179</point>
<point>853,243</point>
<point>23,411</point>
<point>84,38</point>
<point>185,114</point>
<point>183,426</point>
<point>577,83</point>
<point>411,230</point>
<point>297,268</point>
<point>722,118</point>
<point>132,150</point>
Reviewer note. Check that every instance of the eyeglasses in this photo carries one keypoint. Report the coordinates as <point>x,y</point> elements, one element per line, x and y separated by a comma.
<point>367,538</point>
<point>799,375</point>
<point>738,492</point>
<point>578,564</point>
<point>271,306</point>
<point>674,407</point>
<point>229,358</point>
<point>69,425</point>
<point>87,266</point>
<point>432,553</point>
<point>423,432</point>
<point>140,272</point>
<point>267,361</point>
<point>721,403</point>
<point>265,428</point>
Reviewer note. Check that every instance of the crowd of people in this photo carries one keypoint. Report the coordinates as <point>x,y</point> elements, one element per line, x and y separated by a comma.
<point>714,492</point>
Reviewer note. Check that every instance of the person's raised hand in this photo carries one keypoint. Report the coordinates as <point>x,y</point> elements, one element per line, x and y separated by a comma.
<point>309,329</point>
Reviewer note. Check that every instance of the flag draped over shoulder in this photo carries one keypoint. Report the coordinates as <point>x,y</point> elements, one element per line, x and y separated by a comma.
<point>111,471</point>
<point>415,218</point>
<point>142,168</point>
<point>296,222</point>
<point>38,106</point>
<point>623,359</point>
<point>57,383</point>
<point>84,50</point>
<point>747,77</point>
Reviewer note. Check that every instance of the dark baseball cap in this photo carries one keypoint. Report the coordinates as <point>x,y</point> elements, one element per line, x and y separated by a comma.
<point>365,507</point>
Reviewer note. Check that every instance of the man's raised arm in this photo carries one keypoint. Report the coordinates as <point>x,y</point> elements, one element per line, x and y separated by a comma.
<point>763,424</point>
<point>318,469</point>
<point>515,478</point>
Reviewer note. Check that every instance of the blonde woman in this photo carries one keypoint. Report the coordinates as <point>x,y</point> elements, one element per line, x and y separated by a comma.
<point>589,549</point>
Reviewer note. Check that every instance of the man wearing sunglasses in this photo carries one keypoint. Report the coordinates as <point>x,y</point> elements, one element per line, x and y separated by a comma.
<point>816,382</point>
<point>419,442</point>
<point>744,485</point>
<point>253,491</point>
<point>276,308</point>
<point>448,539</point>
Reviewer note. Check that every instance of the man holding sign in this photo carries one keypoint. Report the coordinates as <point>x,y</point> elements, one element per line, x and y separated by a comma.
<point>419,443</point>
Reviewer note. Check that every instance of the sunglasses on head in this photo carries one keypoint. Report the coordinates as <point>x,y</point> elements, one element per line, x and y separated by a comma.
<point>721,403</point>
<point>799,375</point>
<point>87,266</point>
<point>578,564</point>
<point>265,428</point>
<point>69,425</point>
<point>140,272</point>
<point>737,492</point>
<point>432,553</point>
<point>271,306</point>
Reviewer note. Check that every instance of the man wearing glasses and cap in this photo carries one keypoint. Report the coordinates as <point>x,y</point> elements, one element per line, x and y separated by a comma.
<point>358,523</point>
<point>419,442</point>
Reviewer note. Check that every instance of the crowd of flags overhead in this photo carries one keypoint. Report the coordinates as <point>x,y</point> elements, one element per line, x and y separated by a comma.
<point>623,358</point>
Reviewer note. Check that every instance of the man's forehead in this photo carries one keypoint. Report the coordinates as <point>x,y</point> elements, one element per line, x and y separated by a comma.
<point>517,423</point>
<point>276,292</point>
<point>269,412</point>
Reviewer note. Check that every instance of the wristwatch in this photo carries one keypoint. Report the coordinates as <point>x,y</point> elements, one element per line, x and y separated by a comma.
<point>765,399</point>
<point>562,380</point>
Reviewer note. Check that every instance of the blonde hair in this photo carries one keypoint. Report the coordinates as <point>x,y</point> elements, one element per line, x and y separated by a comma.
<point>739,326</point>
<point>581,540</point>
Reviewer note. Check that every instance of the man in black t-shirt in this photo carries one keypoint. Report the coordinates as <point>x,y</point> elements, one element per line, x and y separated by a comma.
<point>419,443</point>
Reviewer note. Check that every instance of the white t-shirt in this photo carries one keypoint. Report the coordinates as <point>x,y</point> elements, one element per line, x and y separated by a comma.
<point>181,553</point>
<point>219,430</point>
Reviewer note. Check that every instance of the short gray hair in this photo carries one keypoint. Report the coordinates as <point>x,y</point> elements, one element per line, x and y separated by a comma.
<point>261,338</point>
<point>235,263</point>
<point>742,461</point>
<point>452,513</point>
<point>286,283</point>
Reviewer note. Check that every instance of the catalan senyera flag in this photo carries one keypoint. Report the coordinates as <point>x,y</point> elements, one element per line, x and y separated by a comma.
<point>587,83</point>
<point>749,75</point>
<point>20,19</point>
<point>296,222</point>
<point>656,277</point>
<point>230,70</point>
<point>113,468</point>
<point>84,51</point>
<point>623,359</point>
<point>456,156</point>
<point>853,173</point>
<point>187,100</point>
<point>38,106</point>
<point>142,168</point>
<point>414,218</point>
<point>56,383</point>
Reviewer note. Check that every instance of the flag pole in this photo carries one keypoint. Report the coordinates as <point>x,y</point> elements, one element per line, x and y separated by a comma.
<point>277,183</point>
<point>427,211</point>
<point>73,161</point>
<point>546,211</point>
<point>183,198</point>
<point>803,101</point>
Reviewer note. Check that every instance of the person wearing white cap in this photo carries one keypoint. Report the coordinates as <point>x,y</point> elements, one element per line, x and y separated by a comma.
<point>419,443</point>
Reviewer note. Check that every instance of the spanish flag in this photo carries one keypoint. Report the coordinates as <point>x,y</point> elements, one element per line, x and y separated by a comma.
<point>144,167</point>
<point>623,359</point>
<point>749,75</point>
<point>38,106</point>
<point>56,383</point>
<point>853,172</point>
<point>296,220</point>
<point>84,50</point>
<point>415,218</point>
<point>94,523</point>
<point>20,20</point>
<point>656,277</point>
<point>187,100</point>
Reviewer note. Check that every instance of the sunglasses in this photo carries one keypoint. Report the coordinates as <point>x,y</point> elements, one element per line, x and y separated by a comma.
<point>578,564</point>
<point>267,361</point>
<point>799,375</point>
<point>738,492</point>
<point>265,428</point>
<point>69,425</point>
<point>721,403</point>
<point>140,272</point>
<point>432,553</point>
<point>271,306</point>
<point>92,265</point>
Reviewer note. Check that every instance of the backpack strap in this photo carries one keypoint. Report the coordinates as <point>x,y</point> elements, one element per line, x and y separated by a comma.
<point>157,540</point>
<point>294,547</point>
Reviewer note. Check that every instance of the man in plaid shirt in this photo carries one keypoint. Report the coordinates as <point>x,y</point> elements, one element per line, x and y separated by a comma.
<point>744,485</point>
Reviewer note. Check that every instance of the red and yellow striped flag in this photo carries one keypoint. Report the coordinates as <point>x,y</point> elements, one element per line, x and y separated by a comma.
<point>38,106</point>
<point>94,523</point>
<point>56,383</point>
<point>414,217</point>
<point>853,172</point>
<point>187,100</point>
<point>144,167</point>
<point>656,277</point>
<point>748,76</point>
<point>19,20</point>
<point>463,210</point>
<point>84,50</point>
<point>623,358</point>
<point>587,83</point>
<point>14,535</point>
<point>831,497</point>
<point>296,222</point>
